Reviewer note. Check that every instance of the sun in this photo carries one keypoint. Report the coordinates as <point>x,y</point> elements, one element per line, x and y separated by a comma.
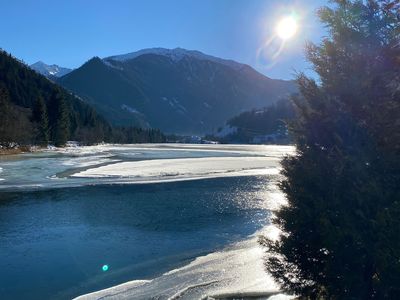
<point>287,28</point>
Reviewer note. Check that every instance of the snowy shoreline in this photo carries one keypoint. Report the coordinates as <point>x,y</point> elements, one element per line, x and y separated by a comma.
<point>235,272</point>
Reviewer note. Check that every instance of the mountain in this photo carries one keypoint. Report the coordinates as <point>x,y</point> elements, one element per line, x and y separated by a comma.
<point>176,90</point>
<point>33,109</point>
<point>175,55</point>
<point>49,71</point>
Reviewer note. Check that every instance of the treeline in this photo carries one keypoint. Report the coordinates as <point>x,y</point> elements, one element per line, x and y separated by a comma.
<point>128,135</point>
<point>341,226</point>
<point>33,110</point>
<point>248,125</point>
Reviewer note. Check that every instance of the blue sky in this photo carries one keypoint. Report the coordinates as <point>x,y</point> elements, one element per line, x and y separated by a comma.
<point>70,32</point>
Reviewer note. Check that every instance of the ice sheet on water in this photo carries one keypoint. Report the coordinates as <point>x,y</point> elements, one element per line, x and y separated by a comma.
<point>86,161</point>
<point>236,270</point>
<point>138,163</point>
<point>184,168</point>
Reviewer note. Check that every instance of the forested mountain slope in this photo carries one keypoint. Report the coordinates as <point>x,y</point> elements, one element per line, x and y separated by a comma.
<point>176,90</point>
<point>34,110</point>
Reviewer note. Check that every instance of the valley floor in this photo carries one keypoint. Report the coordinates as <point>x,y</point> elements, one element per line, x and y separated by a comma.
<point>64,213</point>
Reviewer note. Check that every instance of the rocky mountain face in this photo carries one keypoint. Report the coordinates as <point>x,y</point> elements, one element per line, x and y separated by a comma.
<point>50,71</point>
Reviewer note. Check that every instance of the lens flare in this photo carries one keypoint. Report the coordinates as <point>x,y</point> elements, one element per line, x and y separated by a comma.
<point>104,268</point>
<point>268,54</point>
<point>287,28</point>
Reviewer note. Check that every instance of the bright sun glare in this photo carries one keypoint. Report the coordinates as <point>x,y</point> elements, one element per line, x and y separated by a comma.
<point>287,28</point>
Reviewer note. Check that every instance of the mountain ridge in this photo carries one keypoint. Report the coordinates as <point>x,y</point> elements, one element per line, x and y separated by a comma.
<point>49,70</point>
<point>175,54</point>
<point>177,90</point>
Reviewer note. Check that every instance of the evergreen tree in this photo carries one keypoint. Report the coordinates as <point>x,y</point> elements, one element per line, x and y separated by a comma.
<point>39,115</point>
<point>15,126</point>
<point>341,227</point>
<point>61,128</point>
<point>4,116</point>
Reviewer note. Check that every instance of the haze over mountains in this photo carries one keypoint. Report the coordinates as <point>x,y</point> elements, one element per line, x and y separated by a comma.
<point>176,90</point>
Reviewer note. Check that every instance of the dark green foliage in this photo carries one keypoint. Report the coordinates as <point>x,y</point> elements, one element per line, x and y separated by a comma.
<point>128,135</point>
<point>266,120</point>
<point>61,116</point>
<point>39,115</point>
<point>14,121</point>
<point>260,122</point>
<point>341,227</point>
<point>25,87</point>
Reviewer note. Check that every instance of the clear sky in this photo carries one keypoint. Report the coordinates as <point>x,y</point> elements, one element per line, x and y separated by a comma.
<point>70,32</point>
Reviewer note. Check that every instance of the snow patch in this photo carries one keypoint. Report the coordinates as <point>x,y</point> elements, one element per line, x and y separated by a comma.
<point>184,168</point>
<point>130,109</point>
<point>226,130</point>
<point>47,70</point>
<point>112,65</point>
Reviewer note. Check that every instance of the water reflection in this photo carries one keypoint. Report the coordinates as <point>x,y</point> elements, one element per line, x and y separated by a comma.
<point>57,242</point>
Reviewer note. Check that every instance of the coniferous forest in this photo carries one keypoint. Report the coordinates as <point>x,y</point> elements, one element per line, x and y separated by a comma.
<point>341,229</point>
<point>35,111</point>
<point>271,120</point>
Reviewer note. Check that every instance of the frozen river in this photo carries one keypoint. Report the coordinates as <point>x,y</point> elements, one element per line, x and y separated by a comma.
<point>165,221</point>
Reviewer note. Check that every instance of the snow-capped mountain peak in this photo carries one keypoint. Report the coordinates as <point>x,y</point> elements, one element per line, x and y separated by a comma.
<point>176,55</point>
<point>49,70</point>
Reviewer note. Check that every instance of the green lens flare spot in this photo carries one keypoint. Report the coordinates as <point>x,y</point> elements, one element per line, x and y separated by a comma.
<point>104,268</point>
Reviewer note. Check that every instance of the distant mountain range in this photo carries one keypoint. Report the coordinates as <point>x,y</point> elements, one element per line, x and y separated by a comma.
<point>50,71</point>
<point>176,90</point>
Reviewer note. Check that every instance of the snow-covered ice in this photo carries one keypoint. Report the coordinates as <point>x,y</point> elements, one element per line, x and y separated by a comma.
<point>184,168</point>
<point>237,270</point>
<point>139,163</point>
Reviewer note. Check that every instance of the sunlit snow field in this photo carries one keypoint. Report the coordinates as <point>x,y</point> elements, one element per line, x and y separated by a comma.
<point>168,221</point>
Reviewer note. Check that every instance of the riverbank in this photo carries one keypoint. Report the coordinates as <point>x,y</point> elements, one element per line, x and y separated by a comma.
<point>17,149</point>
<point>10,151</point>
<point>237,272</point>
